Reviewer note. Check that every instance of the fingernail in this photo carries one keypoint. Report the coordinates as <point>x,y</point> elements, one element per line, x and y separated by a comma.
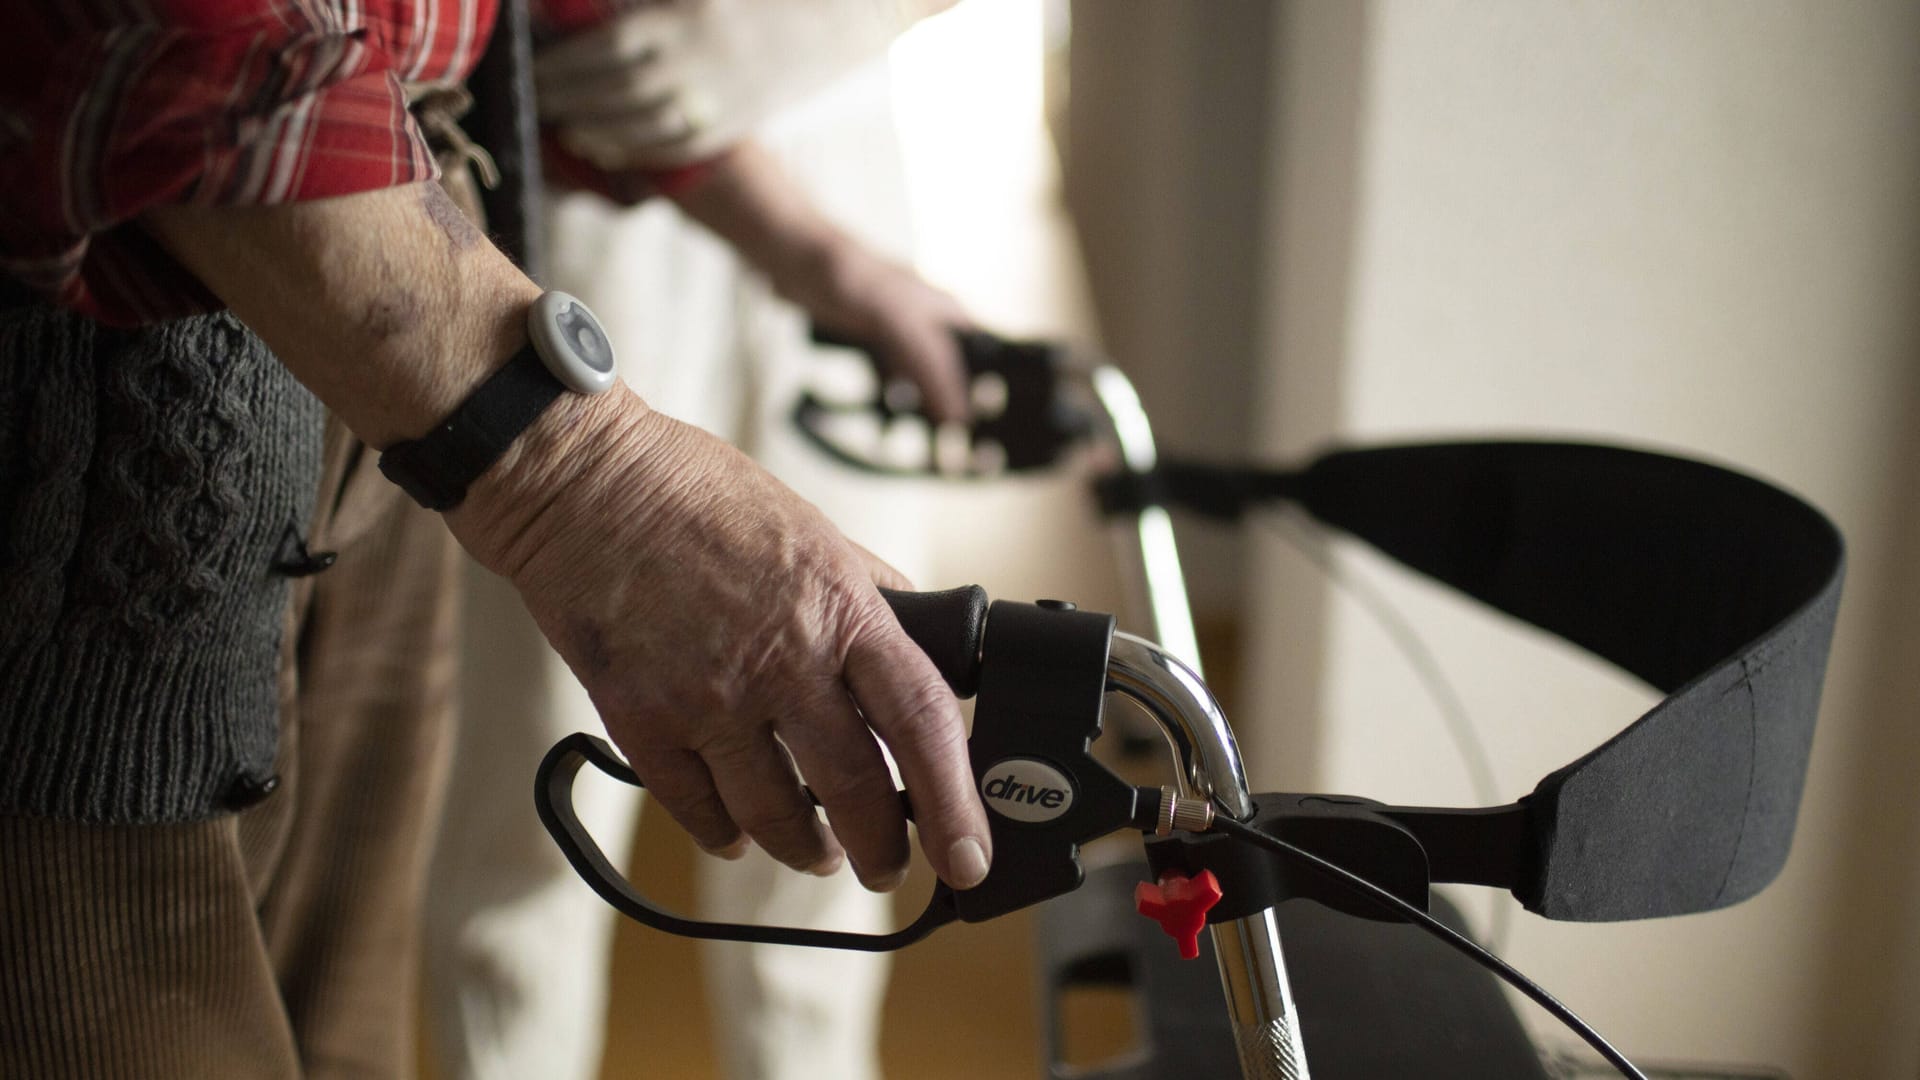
<point>828,866</point>
<point>967,862</point>
<point>733,851</point>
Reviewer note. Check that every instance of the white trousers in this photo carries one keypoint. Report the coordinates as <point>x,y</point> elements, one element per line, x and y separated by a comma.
<point>517,946</point>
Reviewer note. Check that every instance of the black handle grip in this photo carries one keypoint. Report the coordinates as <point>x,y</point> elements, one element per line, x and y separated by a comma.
<point>1033,429</point>
<point>836,340</point>
<point>948,626</point>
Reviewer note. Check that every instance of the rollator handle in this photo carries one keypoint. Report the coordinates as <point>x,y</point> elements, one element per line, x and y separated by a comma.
<point>1033,426</point>
<point>1041,681</point>
<point>948,626</point>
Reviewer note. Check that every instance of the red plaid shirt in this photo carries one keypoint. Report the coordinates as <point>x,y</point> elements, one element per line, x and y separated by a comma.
<point>110,107</point>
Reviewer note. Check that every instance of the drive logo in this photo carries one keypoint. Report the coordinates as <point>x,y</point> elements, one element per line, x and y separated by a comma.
<point>1026,789</point>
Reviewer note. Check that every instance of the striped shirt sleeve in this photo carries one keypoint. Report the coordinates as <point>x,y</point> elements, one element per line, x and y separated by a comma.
<point>109,108</point>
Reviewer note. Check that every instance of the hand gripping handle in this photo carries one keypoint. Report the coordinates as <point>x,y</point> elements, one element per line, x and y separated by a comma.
<point>948,627</point>
<point>1034,429</point>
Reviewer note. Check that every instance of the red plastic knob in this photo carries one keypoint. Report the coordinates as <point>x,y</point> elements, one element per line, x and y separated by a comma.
<point>1180,905</point>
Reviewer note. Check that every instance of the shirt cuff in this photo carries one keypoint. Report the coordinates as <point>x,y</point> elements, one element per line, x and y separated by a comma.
<point>344,138</point>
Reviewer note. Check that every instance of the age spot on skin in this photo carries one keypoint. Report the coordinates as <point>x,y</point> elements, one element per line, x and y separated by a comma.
<point>462,234</point>
<point>589,646</point>
<point>391,315</point>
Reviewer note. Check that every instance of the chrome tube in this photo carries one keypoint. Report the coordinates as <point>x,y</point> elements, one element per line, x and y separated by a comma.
<point>1253,970</point>
<point>1149,537</point>
<point>1266,1026</point>
<point>1172,692</point>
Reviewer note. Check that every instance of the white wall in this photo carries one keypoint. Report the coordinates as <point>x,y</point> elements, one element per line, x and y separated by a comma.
<point>1164,175</point>
<point>989,227</point>
<point>1690,225</point>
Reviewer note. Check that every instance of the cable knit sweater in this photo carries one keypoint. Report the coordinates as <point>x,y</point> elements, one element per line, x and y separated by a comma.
<point>148,479</point>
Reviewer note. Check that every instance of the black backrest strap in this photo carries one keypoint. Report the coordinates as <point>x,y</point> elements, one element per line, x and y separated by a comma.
<point>1715,588</point>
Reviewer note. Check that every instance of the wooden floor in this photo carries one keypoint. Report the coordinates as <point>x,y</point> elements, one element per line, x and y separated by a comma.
<point>948,1012</point>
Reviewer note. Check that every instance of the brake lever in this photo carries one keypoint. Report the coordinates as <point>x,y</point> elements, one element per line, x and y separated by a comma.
<point>553,787</point>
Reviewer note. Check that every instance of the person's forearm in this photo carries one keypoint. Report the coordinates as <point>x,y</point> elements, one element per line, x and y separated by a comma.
<point>839,282</point>
<point>392,308</point>
<point>389,305</point>
<point>747,201</point>
<point>723,628</point>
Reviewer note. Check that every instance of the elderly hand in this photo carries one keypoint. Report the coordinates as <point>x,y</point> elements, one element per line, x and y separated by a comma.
<point>845,286</point>
<point>727,633</point>
<point>909,324</point>
<point>668,84</point>
<point>717,619</point>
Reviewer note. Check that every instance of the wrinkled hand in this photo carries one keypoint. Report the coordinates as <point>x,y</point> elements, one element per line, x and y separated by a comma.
<point>719,623</point>
<point>672,83</point>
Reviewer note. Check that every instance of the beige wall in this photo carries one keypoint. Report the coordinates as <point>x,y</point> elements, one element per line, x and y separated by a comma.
<point>1689,225</point>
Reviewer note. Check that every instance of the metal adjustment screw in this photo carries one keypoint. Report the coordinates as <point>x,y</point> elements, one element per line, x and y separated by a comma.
<point>1193,815</point>
<point>1185,815</point>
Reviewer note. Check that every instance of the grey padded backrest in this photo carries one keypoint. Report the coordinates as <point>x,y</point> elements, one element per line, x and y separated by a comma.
<point>1716,589</point>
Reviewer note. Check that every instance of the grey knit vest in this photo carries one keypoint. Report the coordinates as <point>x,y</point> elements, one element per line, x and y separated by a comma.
<point>148,480</point>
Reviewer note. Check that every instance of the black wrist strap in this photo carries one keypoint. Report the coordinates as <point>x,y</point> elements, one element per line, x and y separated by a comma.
<point>437,468</point>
